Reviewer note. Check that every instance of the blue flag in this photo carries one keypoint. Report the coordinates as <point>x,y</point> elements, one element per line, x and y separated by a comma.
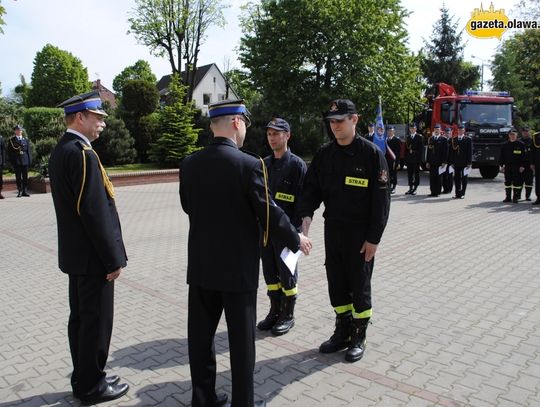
<point>379,115</point>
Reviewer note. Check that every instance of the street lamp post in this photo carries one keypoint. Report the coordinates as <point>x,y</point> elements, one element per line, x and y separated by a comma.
<point>481,71</point>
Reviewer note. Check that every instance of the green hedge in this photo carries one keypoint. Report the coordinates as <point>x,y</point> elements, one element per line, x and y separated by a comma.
<point>43,122</point>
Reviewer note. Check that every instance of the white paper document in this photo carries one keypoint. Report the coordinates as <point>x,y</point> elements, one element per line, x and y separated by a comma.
<point>442,169</point>
<point>290,259</point>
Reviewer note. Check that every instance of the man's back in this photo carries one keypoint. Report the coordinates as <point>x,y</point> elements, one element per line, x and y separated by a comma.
<point>222,191</point>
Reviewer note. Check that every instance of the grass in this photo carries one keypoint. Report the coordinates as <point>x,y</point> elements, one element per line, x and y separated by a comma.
<point>133,167</point>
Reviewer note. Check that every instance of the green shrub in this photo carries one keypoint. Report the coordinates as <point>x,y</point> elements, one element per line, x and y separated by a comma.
<point>44,122</point>
<point>115,144</point>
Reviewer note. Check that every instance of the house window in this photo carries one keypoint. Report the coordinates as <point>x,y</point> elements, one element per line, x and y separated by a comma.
<point>221,96</point>
<point>207,98</point>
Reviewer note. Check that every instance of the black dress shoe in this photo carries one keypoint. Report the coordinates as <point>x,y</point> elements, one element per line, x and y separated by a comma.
<point>111,392</point>
<point>258,403</point>
<point>18,194</point>
<point>25,194</point>
<point>221,400</point>
<point>112,380</point>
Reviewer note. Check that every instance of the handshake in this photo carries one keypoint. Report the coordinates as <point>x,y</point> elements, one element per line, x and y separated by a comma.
<point>305,242</point>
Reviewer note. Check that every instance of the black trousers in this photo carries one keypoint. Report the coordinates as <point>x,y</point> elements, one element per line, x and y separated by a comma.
<point>413,174</point>
<point>537,179</point>
<point>348,274</point>
<point>460,180</point>
<point>435,179</point>
<point>1,176</point>
<point>528,177</point>
<point>91,301</point>
<point>277,275</point>
<point>392,168</point>
<point>513,179</point>
<point>204,312</point>
<point>447,180</point>
<point>21,177</point>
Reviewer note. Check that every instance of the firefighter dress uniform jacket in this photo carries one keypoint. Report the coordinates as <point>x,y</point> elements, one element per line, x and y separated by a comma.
<point>227,200</point>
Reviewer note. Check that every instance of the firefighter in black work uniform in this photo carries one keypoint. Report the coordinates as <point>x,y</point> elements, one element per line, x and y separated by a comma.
<point>528,173</point>
<point>437,155</point>
<point>350,175</point>
<point>286,173</point>
<point>535,165</point>
<point>513,161</point>
<point>447,176</point>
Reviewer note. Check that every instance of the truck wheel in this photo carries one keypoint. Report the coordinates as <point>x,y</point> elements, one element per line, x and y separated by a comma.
<point>489,172</point>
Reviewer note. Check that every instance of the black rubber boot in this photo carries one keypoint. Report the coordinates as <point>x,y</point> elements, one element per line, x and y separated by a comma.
<point>273,315</point>
<point>508,195</point>
<point>286,319</point>
<point>358,340</point>
<point>528,191</point>
<point>517,195</point>
<point>341,338</point>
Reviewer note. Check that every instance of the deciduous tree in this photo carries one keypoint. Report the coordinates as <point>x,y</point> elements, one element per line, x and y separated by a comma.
<point>140,70</point>
<point>57,76</point>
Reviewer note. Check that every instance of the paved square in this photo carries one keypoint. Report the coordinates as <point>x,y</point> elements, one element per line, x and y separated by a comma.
<point>456,293</point>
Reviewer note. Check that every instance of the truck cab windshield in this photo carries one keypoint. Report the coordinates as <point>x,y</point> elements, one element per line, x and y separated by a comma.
<point>483,114</point>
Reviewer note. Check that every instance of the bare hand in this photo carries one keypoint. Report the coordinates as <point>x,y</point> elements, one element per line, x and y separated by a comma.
<point>521,169</point>
<point>306,223</point>
<point>114,275</point>
<point>369,250</point>
<point>305,244</point>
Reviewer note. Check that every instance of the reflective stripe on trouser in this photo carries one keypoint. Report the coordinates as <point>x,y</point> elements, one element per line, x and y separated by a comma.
<point>276,273</point>
<point>342,309</point>
<point>349,276</point>
<point>512,177</point>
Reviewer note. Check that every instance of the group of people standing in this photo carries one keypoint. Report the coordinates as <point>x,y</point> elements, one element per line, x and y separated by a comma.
<point>448,157</point>
<point>17,150</point>
<point>240,208</point>
<point>520,163</point>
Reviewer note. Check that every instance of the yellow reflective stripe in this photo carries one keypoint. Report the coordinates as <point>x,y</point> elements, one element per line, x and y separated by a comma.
<point>364,314</point>
<point>356,182</point>
<point>284,197</point>
<point>342,309</point>
<point>274,287</point>
<point>82,182</point>
<point>291,292</point>
<point>517,151</point>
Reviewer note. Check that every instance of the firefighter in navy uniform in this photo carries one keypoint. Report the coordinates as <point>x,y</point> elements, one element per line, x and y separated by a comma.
<point>460,157</point>
<point>90,247</point>
<point>513,161</point>
<point>528,173</point>
<point>20,155</point>
<point>350,176</point>
<point>414,149</point>
<point>371,132</point>
<point>447,176</point>
<point>394,144</point>
<point>286,173</point>
<point>535,164</point>
<point>437,155</point>
<point>222,189</point>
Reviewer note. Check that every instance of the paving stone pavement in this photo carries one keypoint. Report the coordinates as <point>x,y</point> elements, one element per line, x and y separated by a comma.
<point>456,309</point>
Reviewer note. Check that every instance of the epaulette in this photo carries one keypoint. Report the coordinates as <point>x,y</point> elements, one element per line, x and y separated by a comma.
<point>82,145</point>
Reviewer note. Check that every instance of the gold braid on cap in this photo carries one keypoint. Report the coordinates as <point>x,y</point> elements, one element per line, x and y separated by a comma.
<point>106,181</point>
<point>267,225</point>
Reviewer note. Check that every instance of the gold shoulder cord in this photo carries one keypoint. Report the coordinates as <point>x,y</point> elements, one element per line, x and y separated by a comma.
<point>267,226</point>
<point>534,137</point>
<point>106,181</point>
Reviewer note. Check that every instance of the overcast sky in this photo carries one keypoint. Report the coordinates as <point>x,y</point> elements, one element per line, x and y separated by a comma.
<point>96,33</point>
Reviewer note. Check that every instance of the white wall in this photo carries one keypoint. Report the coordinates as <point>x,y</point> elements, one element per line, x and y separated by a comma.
<point>213,84</point>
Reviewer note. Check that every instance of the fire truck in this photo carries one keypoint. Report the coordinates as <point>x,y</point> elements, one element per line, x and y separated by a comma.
<point>487,117</point>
